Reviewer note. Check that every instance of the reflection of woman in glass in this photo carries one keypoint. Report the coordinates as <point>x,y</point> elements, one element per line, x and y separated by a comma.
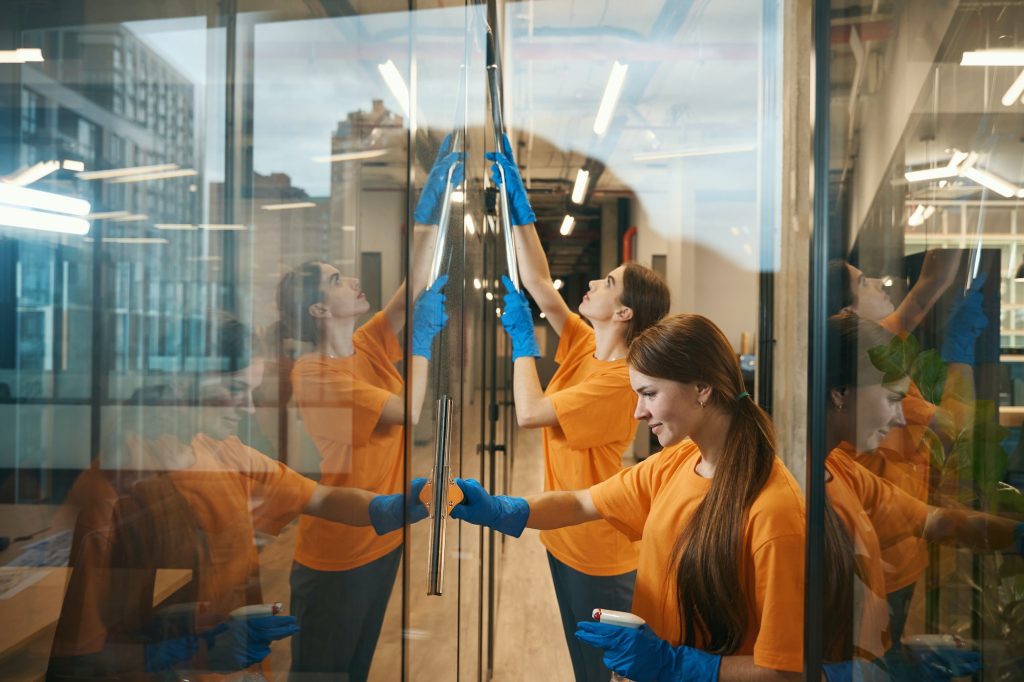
<point>585,411</point>
<point>866,514</point>
<point>352,399</point>
<point>183,494</point>
<point>718,518</point>
<point>904,455</point>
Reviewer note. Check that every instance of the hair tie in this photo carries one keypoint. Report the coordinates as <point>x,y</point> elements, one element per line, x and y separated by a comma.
<point>743,395</point>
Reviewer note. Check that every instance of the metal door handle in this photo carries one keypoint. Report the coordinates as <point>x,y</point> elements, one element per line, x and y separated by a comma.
<point>446,210</point>
<point>439,496</point>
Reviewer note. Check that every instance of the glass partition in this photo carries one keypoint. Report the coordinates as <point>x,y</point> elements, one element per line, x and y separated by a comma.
<point>922,504</point>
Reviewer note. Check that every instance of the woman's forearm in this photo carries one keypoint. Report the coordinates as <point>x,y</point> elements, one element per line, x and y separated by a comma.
<point>558,509</point>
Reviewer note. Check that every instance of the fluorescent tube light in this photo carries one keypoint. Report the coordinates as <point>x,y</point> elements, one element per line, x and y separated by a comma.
<point>107,215</point>
<point>21,55</point>
<point>700,151</point>
<point>72,165</point>
<point>217,227</point>
<point>993,58</point>
<point>458,196</point>
<point>612,90</point>
<point>950,170</point>
<point>129,218</point>
<point>33,173</point>
<point>992,182</point>
<point>351,156</point>
<point>46,201</point>
<point>928,213</point>
<point>395,82</point>
<point>288,207</point>
<point>161,175</point>
<point>47,222</point>
<point>176,226</point>
<point>476,283</point>
<point>579,190</point>
<point>123,172</point>
<point>135,240</point>
<point>917,217</point>
<point>1014,92</point>
<point>470,225</point>
<point>567,224</point>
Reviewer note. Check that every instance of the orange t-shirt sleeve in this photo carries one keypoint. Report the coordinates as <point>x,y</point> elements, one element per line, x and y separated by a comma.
<point>895,514</point>
<point>597,410</point>
<point>779,590</point>
<point>624,500</point>
<point>283,492</point>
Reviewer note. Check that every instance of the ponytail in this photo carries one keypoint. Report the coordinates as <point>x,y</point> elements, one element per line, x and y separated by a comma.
<point>692,349</point>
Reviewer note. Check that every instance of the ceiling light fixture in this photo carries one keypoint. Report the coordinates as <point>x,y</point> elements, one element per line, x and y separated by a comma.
<point>47,222</point>
<point>579,190</point>
<point>21,56</point>
<point>395,82</point>
<point>470,225</point>
<point>558,284</point>
<point>950,170</point>
<point>568,223</point>
<point>993,58</point>
<point>1014,92</point>
<point>72,165</point>
<point>161,175</point>
<point>697,151</point>
<point>35,172</point>
<point>45,201</point>
<point>288,207</point>
<point>612,90</point>
<point>351,156</point>
<point>123,172</point>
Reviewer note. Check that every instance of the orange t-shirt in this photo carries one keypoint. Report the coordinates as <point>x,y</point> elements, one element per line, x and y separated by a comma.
<point>199,518</point>
<point>341,400</point>
<point>654,500</point>
<point>594,404</point>
<point>879,516</point>
<point>904,458</point>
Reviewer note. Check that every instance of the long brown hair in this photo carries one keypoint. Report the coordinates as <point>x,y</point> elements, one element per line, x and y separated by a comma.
<point>297,291</point>
<point>692,349</point>
<point>849,337</point>
<point>646,294</point>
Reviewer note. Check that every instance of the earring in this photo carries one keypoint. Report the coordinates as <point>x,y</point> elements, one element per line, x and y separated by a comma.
<point>701,403</point>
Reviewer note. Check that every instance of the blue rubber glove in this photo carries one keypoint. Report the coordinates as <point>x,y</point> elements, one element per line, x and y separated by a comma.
<point>966,322</point>
<point>239,643</point>
<point>640,655</point>
<point>941,664</point>
<point>857,670</point>
<point>428,208</point>
<point>520,211</point>
<point>386,511</point>
<point>165,655</point>
<point>428,318</point>
<point>518,322</point>
<point>504,514</point>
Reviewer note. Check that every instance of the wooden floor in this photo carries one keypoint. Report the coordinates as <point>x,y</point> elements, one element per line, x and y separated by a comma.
<point>530,641</point>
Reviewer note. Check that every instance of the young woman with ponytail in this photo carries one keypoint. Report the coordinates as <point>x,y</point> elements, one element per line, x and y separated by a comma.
<point>719,520</point>
<point>866,514</point>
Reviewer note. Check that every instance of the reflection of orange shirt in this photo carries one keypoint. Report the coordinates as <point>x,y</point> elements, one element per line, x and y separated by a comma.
<point>903,458</point>
<point>655,499</point>
<point>197,518</point>
<point>878,516</point>
<point>594,404</point>
<point>341,400</point>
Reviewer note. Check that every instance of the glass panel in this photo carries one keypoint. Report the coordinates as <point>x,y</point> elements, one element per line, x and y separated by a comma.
<point>924,471</point>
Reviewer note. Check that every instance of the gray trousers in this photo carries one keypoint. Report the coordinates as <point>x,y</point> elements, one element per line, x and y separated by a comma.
<point>340,614</point>
<point>578,595</point>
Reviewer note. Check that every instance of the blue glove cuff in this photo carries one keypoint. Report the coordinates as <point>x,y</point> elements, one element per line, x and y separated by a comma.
<point>513,515</point>
<point>383,514</point>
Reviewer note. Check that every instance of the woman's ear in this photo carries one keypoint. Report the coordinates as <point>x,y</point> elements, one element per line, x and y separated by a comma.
<point>838,397</point>
<point>703,392</point>
<point>624,314</point>
<point>318,311</point>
